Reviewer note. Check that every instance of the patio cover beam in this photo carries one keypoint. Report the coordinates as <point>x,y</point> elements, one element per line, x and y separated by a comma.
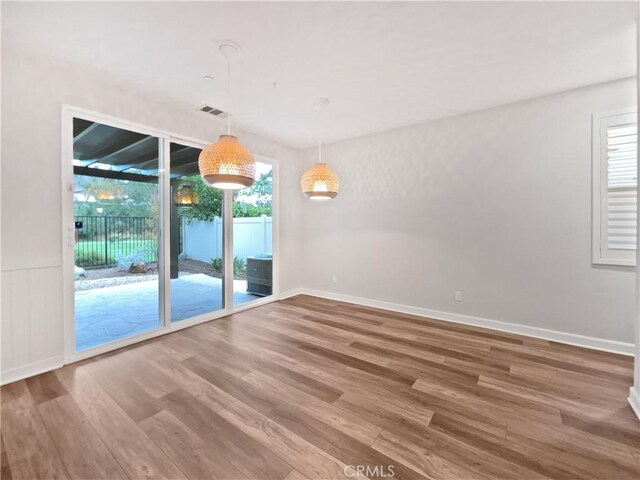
<point>84,130</point>
<point>116,148</point>
<point>96,172</point>
<point>186,170</point>
<point>151,158</point>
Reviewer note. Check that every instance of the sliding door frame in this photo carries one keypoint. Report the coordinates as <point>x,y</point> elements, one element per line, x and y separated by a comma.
<point>275,236</point>
<point>164,289</point>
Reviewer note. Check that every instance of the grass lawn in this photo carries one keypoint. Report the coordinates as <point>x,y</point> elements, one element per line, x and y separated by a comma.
<point>90,253</point>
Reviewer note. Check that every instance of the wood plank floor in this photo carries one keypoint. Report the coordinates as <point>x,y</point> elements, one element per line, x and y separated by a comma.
<point>308,388</point>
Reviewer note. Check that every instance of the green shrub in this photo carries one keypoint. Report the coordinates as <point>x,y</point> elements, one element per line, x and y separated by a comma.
<point>239,266</point>
<point>89,259</point>
<point>216,265</point>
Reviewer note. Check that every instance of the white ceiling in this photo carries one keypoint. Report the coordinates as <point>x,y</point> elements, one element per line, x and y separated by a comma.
<point>383,65</point>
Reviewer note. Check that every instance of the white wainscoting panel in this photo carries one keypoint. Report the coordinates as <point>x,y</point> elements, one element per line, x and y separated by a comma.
<point>32,325</point>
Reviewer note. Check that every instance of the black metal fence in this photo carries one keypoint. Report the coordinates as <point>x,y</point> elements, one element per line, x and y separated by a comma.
<point>105,241</point>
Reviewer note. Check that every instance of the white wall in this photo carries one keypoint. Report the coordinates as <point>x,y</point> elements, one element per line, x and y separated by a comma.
<point>33,91</point>
<point>496,204</point>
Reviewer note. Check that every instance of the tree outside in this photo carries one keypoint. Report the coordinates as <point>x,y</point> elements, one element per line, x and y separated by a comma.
<point>103,196</point>
<point>249,202</point>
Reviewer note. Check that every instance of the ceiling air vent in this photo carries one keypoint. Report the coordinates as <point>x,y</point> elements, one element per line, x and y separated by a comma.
<point>212,111</point>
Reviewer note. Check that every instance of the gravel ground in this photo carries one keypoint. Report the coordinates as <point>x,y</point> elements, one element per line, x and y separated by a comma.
<point>109,277</point>
<point>113,272</point>
<point>82,285</point>
<point>196,266</point>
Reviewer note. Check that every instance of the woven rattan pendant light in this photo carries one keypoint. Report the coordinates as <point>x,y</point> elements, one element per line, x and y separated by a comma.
<point>185,196</point>
<point>320,182</point>
<point>226,164</point>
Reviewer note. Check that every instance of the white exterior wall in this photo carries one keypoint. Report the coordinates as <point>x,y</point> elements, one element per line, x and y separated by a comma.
<point>202,240</point>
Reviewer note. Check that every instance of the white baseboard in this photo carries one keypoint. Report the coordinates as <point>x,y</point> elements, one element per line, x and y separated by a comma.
<point>29,370</point>
<point>553,335</point>
<point>14,374</point>
<point>634,401</point>
<point>290,293</point>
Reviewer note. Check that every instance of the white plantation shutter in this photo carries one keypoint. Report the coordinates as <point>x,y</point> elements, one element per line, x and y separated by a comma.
<point>616,174</point>
<point>622,185</point>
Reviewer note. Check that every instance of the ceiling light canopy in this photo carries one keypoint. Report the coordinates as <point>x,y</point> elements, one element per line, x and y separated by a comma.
<point>320,182</point>
<point>226,164</point>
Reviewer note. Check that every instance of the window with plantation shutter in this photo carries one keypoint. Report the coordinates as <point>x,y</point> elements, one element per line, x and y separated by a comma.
<point>615,186</point>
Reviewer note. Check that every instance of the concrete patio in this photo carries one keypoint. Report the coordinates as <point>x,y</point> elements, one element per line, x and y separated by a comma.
<point>111,313</point>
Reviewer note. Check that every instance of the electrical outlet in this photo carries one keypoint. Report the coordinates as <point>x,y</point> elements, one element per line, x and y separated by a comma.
<point>334,279</point>
<point>458,296</point>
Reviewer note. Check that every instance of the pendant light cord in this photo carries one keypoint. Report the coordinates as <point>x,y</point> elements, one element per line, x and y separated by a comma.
<point>320,135</point>
<point>228,96</point>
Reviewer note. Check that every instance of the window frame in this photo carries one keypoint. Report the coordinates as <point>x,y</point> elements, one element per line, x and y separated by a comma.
<point>603,256</point>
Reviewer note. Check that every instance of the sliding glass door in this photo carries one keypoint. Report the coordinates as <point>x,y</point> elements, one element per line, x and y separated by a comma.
<point>253,238</point>
<point>116,209</point>
<point>197,250</point>
<point>149,246</point>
